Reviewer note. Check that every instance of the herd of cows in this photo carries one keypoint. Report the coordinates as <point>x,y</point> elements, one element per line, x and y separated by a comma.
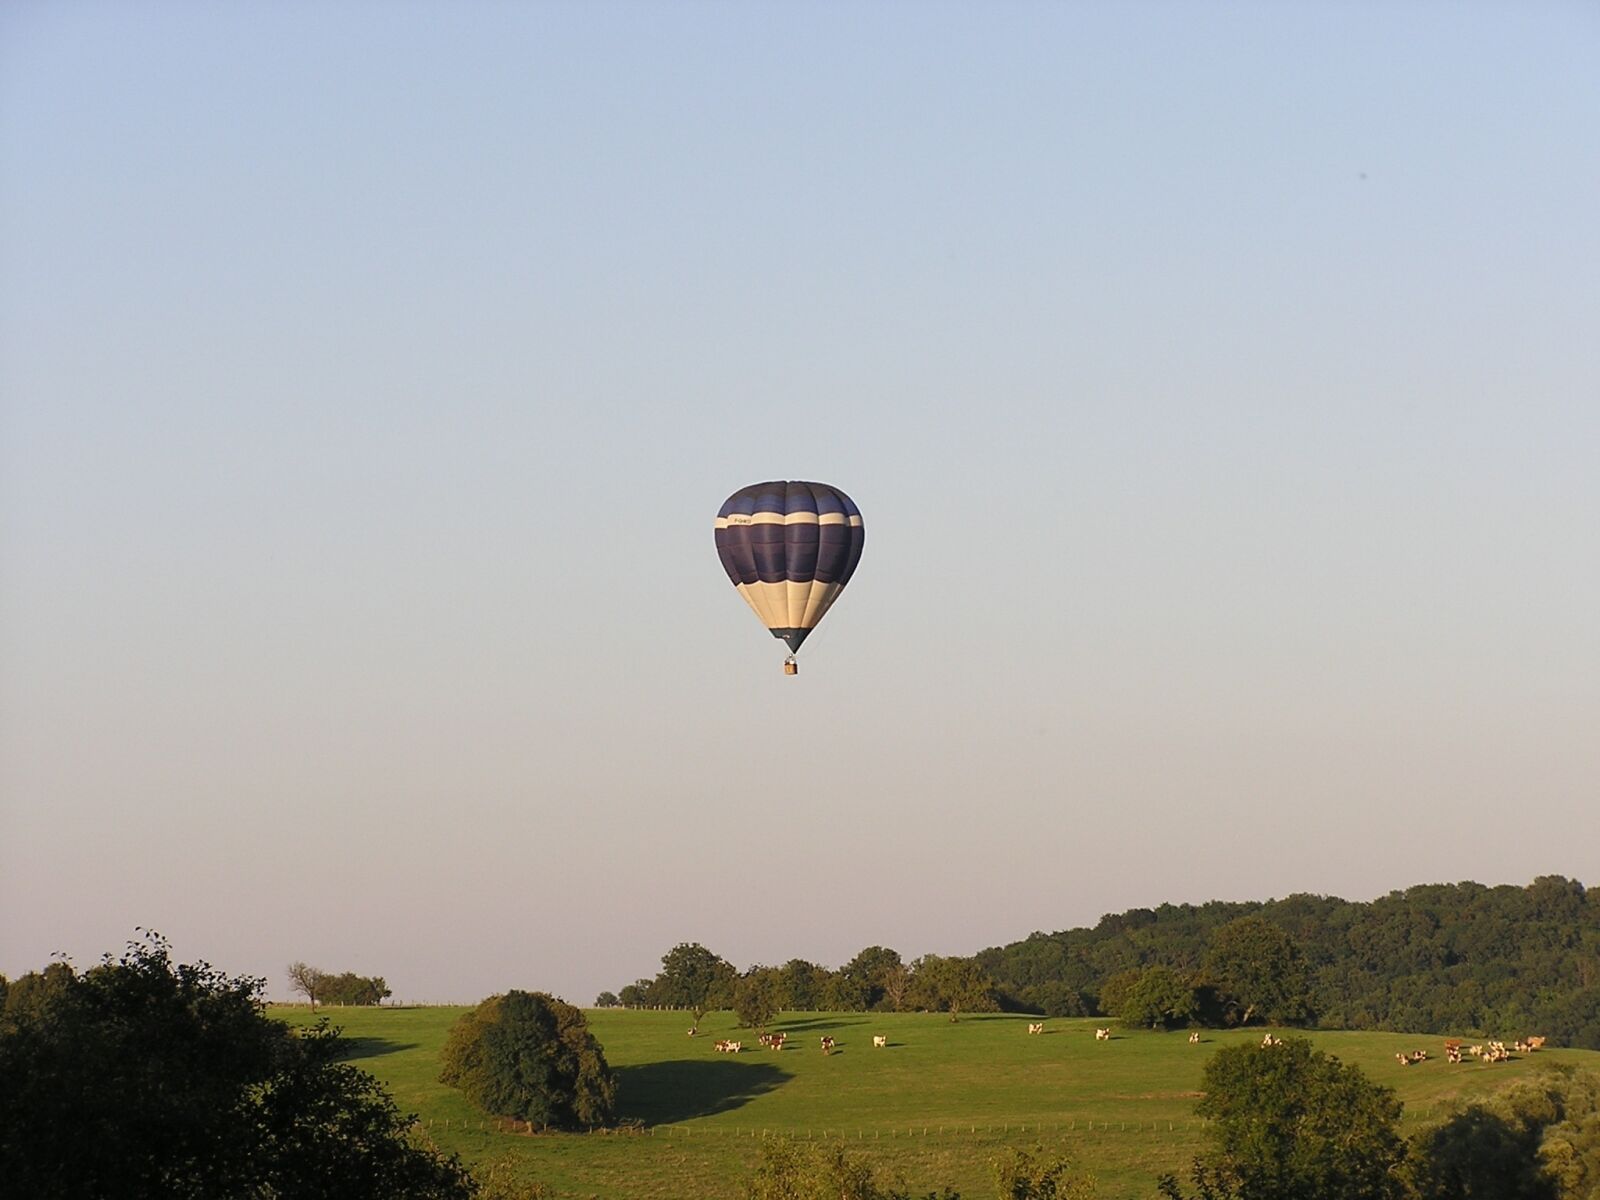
<point>1489,1052</point>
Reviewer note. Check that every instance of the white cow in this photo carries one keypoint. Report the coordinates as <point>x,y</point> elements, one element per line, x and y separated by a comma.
<point>1102,1035</point>
<point>1039,1028</point>
<point>879,1041</point>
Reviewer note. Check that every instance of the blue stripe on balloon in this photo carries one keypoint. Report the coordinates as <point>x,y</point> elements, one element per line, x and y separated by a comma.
<point>798,553</point>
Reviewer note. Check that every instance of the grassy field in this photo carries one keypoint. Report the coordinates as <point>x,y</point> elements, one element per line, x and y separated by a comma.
<point>932,1109</point>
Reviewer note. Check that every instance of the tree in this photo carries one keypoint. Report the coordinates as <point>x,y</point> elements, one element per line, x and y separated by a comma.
<point>350,988</point>
<point>693,977</point>
<point>1159,999</point>
<point>952,985</point>
<point>1479,1151</point>
<point>1537,1140</point>
<point>307,981</point>
<point>1114,991</point>
<point>755,997</point>
<point>192,1091</point>
<point>896,984</point>
<point>1290,1123</point>
<point>1259,967</point>
<point>635,995</point>
<point>861,978</point>
<point>530,1056</point>
<point>607,1000</point>
<point>805,986</point>
<point>1570,1148</point>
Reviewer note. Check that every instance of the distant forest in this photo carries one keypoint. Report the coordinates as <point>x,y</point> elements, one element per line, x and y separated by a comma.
<point>1438,958</point>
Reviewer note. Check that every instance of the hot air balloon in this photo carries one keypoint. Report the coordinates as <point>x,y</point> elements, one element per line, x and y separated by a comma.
<point>790,548</point>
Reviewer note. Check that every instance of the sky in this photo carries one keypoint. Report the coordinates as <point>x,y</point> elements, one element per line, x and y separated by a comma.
<point>1219,384</point>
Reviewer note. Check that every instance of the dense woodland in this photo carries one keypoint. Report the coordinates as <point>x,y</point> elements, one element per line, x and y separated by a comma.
<point>1443,958</point>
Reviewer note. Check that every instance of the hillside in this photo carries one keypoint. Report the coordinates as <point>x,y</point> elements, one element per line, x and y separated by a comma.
<point>934,1107</point>
<point>1458,957</point>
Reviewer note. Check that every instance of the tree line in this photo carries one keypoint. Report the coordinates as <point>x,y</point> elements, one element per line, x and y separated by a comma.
<point>345,987</point>
<point>1437,958</point>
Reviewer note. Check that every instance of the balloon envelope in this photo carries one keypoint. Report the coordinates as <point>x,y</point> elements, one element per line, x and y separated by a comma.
<point>790,548</point>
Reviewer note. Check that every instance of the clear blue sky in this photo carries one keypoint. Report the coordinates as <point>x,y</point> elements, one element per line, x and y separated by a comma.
<point>1220,384</point>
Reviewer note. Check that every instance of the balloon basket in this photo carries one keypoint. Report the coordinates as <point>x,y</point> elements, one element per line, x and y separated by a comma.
<point>790,667</point>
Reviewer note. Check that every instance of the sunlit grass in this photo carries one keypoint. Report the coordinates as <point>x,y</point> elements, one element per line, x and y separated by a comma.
<point>933,1108</point>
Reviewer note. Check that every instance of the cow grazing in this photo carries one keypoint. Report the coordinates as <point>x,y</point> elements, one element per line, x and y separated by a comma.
<point>879,1041</point>
<point>1536,1043</point>
<point>1033,1028</point>
<point>1102,1035</point>
<point>827,1044</point>
<point>1272,1040</point>
<point>1194,1038</point>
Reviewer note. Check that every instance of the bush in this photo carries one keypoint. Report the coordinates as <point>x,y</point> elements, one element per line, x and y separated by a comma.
<point>787,1171</point>
<point>1039,1175</point>
<point>530,1056</point>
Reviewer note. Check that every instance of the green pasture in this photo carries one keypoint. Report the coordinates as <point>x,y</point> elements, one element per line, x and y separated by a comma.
<point>931,1109</point>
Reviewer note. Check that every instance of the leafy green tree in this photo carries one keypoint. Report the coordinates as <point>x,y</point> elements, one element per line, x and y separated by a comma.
<point>607,1000</point>
<point>1114,991</point>
<point>861,978</point>
<point>693,977</point>
<point>1288,1122</point>
<point>1570,1148</point>
<point>1537,1140</point>
<point>350,988</point>
<point>1259,967</point>
<point>804,986</point>
<point>1038,1174</point>
<point>141,1077</point>
<point>1479,1151</point>
<point>952,985</point>
<point>635,995</point>
<point>530,1056</point>
<point>756,997</point>
<point>1159,999</point>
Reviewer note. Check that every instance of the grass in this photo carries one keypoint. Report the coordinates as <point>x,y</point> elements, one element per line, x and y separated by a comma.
<point>932,1109</point>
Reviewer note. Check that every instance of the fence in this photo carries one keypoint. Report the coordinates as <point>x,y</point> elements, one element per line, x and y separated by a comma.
<point>859,1133</point>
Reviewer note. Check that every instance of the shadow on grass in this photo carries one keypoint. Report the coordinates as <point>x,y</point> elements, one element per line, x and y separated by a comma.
<point>664,1092</point>
<point>817,1023</point>
<point>372,1047</point>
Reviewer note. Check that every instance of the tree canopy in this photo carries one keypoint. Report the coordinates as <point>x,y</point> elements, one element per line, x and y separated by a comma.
<point>530,1056</point>
<point>1288,1122</point>
<point>1537,1140</point>
<point>1259,970</point>
<point>144,1078</point>
<point>1160,998</point>
<point>692,977</point>
<point>1454,958</point>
